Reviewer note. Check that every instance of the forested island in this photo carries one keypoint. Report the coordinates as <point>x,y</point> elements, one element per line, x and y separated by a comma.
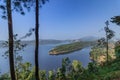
<point>67,48</point>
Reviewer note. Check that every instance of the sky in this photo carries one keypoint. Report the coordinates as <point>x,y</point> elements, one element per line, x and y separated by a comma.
<point>66,19</point>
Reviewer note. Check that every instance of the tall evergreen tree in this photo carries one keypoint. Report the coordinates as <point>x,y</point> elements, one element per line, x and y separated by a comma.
<point>37,2</point>
<point>105,41</point>
<point>7,6</point>
<point>18,6</point>
<point>37,40</point>
<point>107,32</point>
<point>10,33</point>
<point>109,35</point>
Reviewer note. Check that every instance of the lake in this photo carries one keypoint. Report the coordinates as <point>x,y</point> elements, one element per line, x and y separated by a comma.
<point>46,61</point>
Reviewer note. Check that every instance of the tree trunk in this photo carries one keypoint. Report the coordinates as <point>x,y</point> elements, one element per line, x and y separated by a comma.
<point>107,43</point>
<point>107,48</point>
<point>37,41</point>
<point>10,31</point>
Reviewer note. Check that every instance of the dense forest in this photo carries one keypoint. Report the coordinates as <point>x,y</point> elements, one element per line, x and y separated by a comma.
<point>105,54</point>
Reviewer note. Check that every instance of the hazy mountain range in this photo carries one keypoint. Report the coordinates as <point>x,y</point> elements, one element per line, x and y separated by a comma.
<point>88,38</point>
<point>53,41</point>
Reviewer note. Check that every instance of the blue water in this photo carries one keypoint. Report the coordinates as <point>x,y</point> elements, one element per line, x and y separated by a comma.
<point>46,61</point>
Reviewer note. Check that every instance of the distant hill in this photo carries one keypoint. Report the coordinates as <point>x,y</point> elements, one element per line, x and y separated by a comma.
<point>87,38</point>
<point>45,41</point>
<point>51,41</point>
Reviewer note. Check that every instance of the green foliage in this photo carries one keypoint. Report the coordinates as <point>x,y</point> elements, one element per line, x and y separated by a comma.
<point>117,51</point>
<point>71,71</point>
<point>109,34</point>
<point>92,68</point>
<point>116,20</point>
<point>5,76</point>
<point>115,75</point>
<point>51,75</point>
<point>76,70</point>
<point>61,72</point>
<point>42,75</point>
<point>44,1</point>
<point>97,51</point>
<point>18,45</point>
<point>24,71</point>
<point>77,67</point>
<point>17,5</point>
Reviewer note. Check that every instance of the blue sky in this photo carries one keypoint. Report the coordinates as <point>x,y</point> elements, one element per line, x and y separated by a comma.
<point>67,19</point>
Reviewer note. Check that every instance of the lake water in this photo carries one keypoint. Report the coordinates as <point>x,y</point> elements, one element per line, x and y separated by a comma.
<point>46,61</point>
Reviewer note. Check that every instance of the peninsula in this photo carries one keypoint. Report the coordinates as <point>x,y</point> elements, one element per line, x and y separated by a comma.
<point>67,48</point>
